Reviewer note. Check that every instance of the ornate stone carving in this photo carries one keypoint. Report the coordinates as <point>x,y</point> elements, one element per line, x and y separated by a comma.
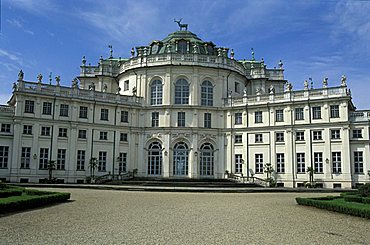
<point>272,89</point>
<point>92,86</point>
<point>105,88</point>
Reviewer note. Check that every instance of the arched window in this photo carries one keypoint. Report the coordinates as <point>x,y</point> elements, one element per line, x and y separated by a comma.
<point>182,92</point>
<point>156,92</point>
<point>180,159</point>
<point>206,160</point>
<point>155,159</point>
<point>207,93</point>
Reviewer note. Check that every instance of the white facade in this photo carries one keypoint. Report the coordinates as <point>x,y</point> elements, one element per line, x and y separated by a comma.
<point>184,108</point>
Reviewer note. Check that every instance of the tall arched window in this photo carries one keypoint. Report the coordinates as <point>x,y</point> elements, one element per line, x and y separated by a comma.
<point>180,159</point>
<point>156,92</point>
<point>182,92</point>
<point>155,159</point>
<point>207,93</point>
<point>206,166</point>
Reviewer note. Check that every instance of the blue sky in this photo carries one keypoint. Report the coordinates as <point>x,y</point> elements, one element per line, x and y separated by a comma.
<point>313,38</point>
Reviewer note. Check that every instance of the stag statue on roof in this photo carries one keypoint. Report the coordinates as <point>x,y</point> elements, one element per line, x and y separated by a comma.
<point>185,26</point>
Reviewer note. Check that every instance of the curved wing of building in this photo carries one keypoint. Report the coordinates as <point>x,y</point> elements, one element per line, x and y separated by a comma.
<point>182,107</point>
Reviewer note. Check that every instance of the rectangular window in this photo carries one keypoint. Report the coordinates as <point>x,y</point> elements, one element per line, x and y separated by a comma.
<point>122,164</point>
<point>359,162</point>
<point>124,116</point>
<point>123,137</point>
<point>301,165</point>
<point>45,131</point>
<point>181,119</point>
<point>299,115</point>
<point>126,85</point>
<point>258,117</point>
<point>259,163</point>
<point>63,110</point>
<point>103,135</point>
<point>335,133</point>
<point>44,158</point>
<point>104,114</point>
<point>238,139</point>
<point>337,162</point>
<point>238,163</point>
<point>280,163</point>
<point>83,112</point>
<point>316,112</point>
<point>46,108</point>
<point>237,87</point>
<point>299,136</point>
<point>317,135</point>
<point>81,158</point>
<point>4,156</point>
<point>238,118</point>
<point>357,133</point>
<point>27,129</point>
<point>102,164</point>
<point>26,157</point>
<point>63,132</point>
<point>5,128</point>
<point>279,115</point>
<point>258,138</point>
<point>61,159</point>
<point>280,137</point>
<point>155,119</point>
<point>334,111</point>
<point>82,134</point>
<point>207,120</point>
<point>317,158</point>
<point>29,106</point>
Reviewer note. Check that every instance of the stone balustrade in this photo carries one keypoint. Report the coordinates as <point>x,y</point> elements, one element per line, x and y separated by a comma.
<point>115,68</point>
<point>359,116</point>
<point>77,93</point>
<point>301,95</point>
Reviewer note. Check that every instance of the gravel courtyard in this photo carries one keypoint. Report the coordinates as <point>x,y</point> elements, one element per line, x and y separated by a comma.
<point>121,217</point>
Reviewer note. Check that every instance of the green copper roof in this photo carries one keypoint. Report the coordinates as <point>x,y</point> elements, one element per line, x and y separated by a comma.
<point>182,35</point>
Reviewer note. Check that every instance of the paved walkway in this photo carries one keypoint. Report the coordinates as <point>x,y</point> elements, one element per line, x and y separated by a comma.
<point>123,217</point>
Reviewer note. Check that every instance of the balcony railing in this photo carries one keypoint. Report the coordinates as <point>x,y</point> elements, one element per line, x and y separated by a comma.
<point>67,92</point>
<point>6,109</point>
<point>359,116</point>
<point>287,96</point>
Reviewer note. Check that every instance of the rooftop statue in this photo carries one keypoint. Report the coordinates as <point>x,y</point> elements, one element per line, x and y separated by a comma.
<point>75,83</point>
<point>57,78</point>
<point>343,81</point>
<point>20,75</point>
<point>39,78</point>
<point>325,82</point>
<point>305,85</point>
<point>185,26</point>
<point>272,89</point>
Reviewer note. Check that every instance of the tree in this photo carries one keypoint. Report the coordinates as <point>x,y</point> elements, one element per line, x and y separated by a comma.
<point>51,166</point>
<point>93,164</point>
<point>311,172</point>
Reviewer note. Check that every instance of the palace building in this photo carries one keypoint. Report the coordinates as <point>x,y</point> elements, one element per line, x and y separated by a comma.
<point>182,107</point>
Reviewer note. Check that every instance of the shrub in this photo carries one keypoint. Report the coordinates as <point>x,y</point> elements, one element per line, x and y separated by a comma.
<point>33,201</point>
<point>353,198</point>
<point>364,190</point>
<point>366,200</point>
<point>10,192</point>
<point>337,205</point>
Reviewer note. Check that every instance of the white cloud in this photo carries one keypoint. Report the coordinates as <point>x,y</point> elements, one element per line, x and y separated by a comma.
<point>38,7</point>
<point>351,20</point>
<point>20,25</point>
<point>16,57</point>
